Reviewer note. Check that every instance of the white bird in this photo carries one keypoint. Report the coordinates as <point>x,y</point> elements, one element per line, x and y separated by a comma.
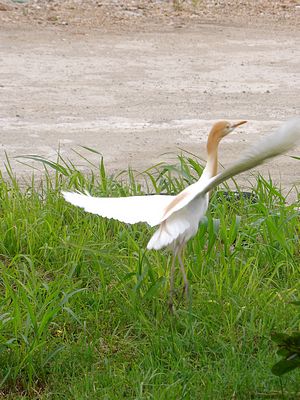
<point>178,216</point>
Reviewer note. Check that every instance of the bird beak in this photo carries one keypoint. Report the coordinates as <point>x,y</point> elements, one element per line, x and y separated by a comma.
<point>238,124</point>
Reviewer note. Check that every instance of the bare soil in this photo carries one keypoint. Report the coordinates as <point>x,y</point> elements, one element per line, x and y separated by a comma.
<point>138,79</point>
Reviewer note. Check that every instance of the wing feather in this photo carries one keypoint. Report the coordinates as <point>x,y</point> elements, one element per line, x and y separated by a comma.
<point>284,139</point>
<point>157,208</point>
<point>130,209</point>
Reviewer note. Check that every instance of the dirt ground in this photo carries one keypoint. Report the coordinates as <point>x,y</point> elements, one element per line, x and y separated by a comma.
<point>138,79</point>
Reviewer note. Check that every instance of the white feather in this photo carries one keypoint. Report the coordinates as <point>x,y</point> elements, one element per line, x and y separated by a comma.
<point>130,209</point>
<point>181,225</point>
<point>284,139</point>
<point>180,222</point>
<point>169,230</point>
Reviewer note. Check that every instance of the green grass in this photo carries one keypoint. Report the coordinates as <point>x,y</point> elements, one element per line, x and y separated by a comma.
<point>83,306</point>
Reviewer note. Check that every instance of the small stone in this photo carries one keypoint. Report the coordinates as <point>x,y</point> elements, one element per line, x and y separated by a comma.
<point>5,7</point>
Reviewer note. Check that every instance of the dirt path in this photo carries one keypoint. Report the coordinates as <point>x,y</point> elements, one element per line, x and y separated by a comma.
<point>136,95</point>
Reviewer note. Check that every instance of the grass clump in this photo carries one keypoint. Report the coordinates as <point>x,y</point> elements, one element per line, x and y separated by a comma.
<point>83,306</point>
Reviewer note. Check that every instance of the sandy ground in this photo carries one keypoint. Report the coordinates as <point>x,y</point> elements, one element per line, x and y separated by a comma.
<point>134,94</point>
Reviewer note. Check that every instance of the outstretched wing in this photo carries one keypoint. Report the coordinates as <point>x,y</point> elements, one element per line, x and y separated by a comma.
<point>130,209</point>
<point>284,139</point>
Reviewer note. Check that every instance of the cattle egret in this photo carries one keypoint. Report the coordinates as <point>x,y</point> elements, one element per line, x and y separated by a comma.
<point>178,216</point>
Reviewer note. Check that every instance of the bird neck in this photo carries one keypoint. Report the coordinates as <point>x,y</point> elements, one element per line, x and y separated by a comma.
<point>211,167</point>
<point>212,164</point>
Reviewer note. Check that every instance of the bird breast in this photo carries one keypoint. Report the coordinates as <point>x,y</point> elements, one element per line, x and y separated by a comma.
<point>195,211</point>
<point>181,226</point>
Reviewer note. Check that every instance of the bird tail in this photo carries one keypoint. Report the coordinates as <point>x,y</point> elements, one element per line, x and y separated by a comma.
<point>168,231</point>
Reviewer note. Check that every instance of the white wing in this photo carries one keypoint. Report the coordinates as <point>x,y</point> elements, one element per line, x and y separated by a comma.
<point>284,139</point>
<point>130,209</point>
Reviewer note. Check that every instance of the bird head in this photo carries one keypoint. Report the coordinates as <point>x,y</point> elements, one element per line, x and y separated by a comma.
<point>218,131</point>
<point>221,129</point>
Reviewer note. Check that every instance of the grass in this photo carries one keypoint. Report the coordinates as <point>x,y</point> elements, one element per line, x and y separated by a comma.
<point>83,306</point>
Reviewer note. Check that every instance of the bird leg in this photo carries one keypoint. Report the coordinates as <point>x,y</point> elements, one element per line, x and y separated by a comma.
<point>185,280</point>
<point>171,305</point>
